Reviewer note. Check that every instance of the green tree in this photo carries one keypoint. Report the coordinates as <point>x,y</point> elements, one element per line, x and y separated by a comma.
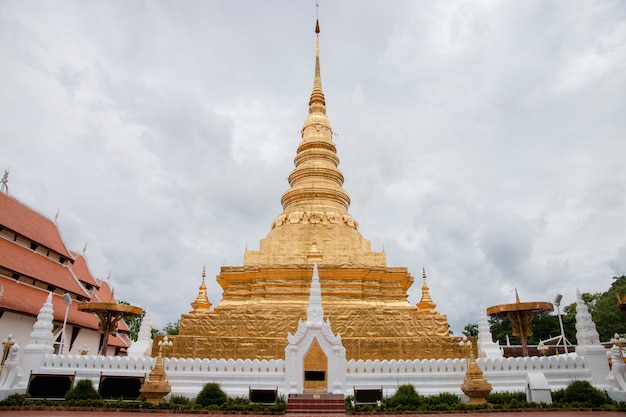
<point>133,323</point>
<point>501,328</point>
<point>470,329</point>
<point>171,329</point>
<point>604,309</point>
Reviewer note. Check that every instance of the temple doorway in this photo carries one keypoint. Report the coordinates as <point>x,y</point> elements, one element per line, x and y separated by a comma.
<point>315,369</point>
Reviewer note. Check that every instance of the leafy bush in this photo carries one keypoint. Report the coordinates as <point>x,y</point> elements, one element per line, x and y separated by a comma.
<point>179,400</point>
<point>211,394</point>
<point>14,399</point>
<point>505,397</point>
<point>83,390</point>
<point>405,398</point>
<point>445,398</point>
<point>582,393</point>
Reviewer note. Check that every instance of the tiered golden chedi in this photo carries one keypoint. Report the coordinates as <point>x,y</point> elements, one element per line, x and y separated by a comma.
<point>365,300</point>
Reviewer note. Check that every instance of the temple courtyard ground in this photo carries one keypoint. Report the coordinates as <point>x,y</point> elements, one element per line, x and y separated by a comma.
<point>62,413</point>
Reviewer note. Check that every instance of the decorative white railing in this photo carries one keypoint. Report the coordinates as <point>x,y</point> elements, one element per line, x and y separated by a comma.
<point>237,376</point>
<point>102,364</point>
<point>509,374</point>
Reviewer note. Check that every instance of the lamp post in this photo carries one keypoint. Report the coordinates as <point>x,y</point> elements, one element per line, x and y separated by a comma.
<point>557,303</point>
<point>67,299</point>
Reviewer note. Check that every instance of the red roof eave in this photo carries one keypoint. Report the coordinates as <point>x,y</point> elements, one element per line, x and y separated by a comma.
<point>26,299</point>
<point>24,220</point>
<point>29,263</point>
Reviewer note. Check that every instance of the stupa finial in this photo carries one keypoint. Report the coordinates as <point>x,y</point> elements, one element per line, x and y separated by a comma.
<point>517,297</point>
<point>426,304</point>
<point>316,183</point>
<point>317,103</point>
<point>201,304</point>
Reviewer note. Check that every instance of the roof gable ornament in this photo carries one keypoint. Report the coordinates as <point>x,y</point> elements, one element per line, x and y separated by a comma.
<point>5,182</point>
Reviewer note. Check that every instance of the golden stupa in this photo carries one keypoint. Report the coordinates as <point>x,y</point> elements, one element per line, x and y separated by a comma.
<point>365,300</point>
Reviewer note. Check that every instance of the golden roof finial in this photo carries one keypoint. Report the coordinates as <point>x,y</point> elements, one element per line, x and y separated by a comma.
<point>317,103</point>
<point>426,304</point>
<point>516,297</point>
<point>201,304</point>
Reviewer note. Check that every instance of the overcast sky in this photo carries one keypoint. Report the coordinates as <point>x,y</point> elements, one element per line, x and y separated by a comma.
<point>483,140</point>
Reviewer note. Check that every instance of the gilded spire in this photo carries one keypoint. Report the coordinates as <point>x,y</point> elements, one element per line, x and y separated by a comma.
<point>426,304</point>
<point>316,182</point>
<point>317,102</point>
<point>201,304</point>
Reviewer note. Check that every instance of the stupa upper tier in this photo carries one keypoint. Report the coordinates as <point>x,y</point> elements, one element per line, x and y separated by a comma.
<point>316,182</point>
<point>315,207</point>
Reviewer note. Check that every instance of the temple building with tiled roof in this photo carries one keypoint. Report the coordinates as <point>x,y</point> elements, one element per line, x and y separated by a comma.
<point>34,261</point>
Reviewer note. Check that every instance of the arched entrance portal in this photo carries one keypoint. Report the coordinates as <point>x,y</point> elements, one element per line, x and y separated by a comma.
<point>315,369</point>
<point>315,359</point>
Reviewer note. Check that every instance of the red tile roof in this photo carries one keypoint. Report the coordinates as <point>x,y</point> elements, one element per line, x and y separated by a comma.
<point>26,299</point>
<point>81,270</point>
<point>20,218</point>
<point>35,265</point>
<point>119,341</point>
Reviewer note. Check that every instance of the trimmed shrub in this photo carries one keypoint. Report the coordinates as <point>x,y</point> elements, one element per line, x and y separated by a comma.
<point>582,392</point>
<point>405,398</point>
<point>179,400</point>
<point>444,398</point>
<point>211,394</point>
<point>505,397</point>
<point>83,390</point>
<point>14,399</point>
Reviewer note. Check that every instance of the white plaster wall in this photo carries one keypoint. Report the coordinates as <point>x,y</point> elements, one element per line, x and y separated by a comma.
<point>18,325</point>
<point>88,337</point>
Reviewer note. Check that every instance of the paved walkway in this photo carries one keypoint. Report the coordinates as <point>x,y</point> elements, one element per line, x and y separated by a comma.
<point>111,413</point>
